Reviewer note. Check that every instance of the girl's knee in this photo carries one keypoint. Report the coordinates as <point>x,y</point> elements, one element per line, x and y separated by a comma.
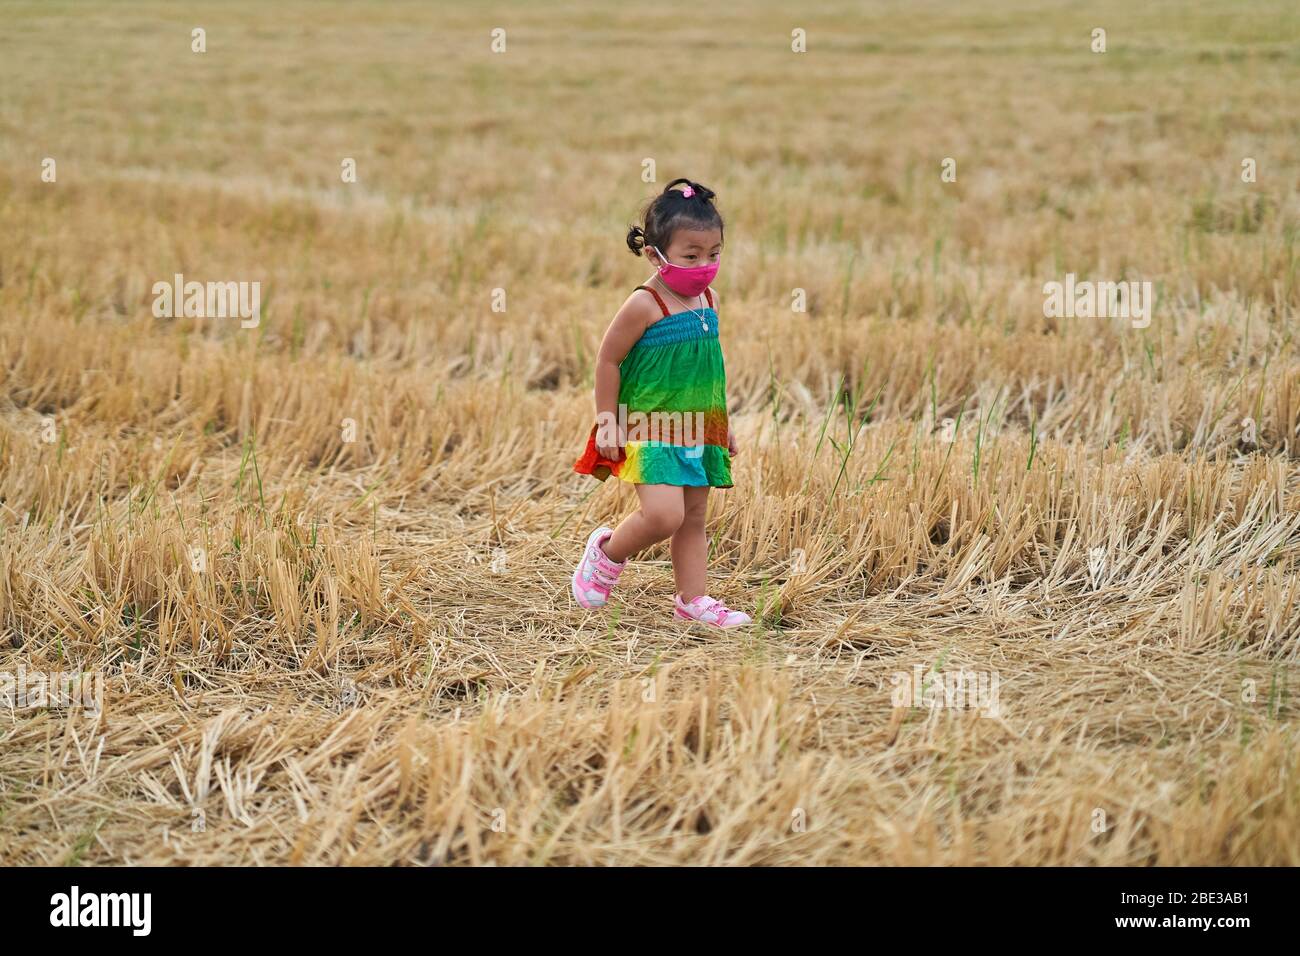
<point>664,520</point>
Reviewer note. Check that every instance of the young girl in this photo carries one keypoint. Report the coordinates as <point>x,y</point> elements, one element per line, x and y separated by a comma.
<point>660,366</point>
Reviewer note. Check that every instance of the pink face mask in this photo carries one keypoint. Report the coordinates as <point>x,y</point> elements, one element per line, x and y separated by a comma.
<point>686,280</point>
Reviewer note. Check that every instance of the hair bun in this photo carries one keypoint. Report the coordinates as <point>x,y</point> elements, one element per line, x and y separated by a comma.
<point>692,187</point>
<point>690,190</point>
<point>636,240</point>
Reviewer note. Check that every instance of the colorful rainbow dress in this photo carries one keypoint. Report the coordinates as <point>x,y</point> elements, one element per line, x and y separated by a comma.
<point>674,389</point>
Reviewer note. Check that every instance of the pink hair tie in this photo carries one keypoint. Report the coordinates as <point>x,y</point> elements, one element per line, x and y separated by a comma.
<point>688,192</point>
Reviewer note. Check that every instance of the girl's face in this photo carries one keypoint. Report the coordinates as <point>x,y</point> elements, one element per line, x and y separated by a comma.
<point>692,247</point>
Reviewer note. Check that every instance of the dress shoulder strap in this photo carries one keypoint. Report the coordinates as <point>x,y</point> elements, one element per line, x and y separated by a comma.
<point>658,299</point>
<point>708,294</point>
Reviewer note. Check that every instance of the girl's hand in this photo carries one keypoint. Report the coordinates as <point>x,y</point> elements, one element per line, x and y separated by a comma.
<point>611,452</point>
<point>731,443</point>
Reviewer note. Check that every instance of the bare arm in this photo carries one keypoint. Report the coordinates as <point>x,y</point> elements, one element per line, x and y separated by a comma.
<point>628,325</point>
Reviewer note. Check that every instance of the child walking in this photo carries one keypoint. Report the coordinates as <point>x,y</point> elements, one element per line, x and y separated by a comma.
<point>661,407</point>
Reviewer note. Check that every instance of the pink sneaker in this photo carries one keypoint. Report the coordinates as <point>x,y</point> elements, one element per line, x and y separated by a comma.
<point>595,574</point>
<point>710,611</point>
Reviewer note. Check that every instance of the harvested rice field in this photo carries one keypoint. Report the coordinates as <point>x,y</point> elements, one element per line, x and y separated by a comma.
<point>1022,557</point>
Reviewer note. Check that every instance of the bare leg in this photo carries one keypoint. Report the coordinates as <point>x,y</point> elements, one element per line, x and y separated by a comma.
<point>660,515</point>
<point>690,546</point>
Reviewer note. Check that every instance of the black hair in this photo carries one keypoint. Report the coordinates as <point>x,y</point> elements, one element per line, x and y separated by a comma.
<point>671,210</point>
